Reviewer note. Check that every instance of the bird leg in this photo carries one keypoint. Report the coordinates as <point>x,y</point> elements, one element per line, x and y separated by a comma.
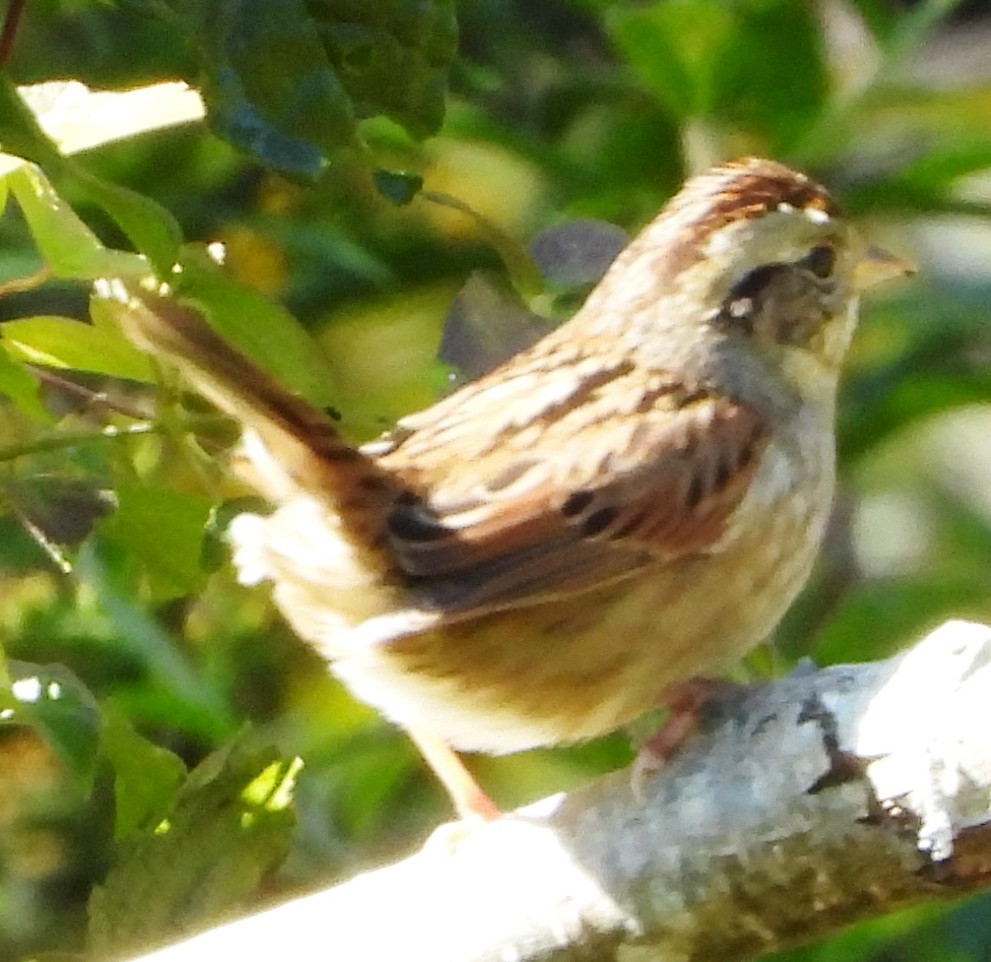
<point>470,801</point>
<point>686,703</point>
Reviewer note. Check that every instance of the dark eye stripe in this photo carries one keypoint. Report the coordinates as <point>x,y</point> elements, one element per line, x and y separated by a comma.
<point>821,261</point>
<point>744,299</point>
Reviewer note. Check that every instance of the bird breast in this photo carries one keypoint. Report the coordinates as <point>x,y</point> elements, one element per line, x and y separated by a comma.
<point>579,667</point>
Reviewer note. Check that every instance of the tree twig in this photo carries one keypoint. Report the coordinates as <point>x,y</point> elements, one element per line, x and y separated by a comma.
<point>825,798</point>
<point>10,23</point>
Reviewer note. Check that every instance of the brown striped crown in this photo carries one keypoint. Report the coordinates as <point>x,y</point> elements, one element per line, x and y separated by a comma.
<point>740,190</point>
<point>746,188</point>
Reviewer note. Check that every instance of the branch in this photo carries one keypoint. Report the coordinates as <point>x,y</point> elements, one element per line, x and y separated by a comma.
<point>828,797</point>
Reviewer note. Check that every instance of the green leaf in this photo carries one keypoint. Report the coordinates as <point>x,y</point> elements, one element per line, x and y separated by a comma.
<point>391,56</point>
<point>756,62</point>
<point>62,342</point>
<point>929,184</point>
<point>772,78</point>
<point>896,610</point>
<point>149,226</point>
<point>893,402</point>
<point>397,186</point>
<point>106,571</point>
<point>675,48</point>
<point>20,385</point>
<point>146,776</point>
<point>20,134</point>
<point>164,529</point>
<point>912,28</point>
<point>880,16</point>
<point>268,85</point>
<point>230,826</point>
<point>920,361</point>
<point>289,82</point>
<point>51,700</point>
<point>68,246</point>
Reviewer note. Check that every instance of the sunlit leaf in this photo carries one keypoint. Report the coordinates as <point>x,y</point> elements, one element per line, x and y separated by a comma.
<point>20,385</point>
<point>62,342</point>
<point>230,826</point>
<point>152,230</point>
<point>772,77</point>
<point>63,239</point>
<point>68,246</point>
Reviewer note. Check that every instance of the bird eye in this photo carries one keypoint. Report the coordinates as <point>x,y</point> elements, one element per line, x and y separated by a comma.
<point>820,261</point>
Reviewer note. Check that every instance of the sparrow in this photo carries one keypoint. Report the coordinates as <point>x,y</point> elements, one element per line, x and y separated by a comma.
<point>631,503</point>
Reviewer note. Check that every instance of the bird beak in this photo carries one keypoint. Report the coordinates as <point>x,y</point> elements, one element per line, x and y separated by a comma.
<point>877,266</point>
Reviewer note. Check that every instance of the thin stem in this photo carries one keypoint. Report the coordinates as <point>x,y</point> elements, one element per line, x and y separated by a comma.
<point>93,399</point>
<point>53,551</point>
<point>69,439</point>
<point>10,24</point>
<point>17,285</point>
<point>523,272</point>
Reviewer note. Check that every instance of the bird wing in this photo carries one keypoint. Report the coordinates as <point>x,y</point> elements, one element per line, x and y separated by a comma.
<point>563,471</point>
<point>643,470</point>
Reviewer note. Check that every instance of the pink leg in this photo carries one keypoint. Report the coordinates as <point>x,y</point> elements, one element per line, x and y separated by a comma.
<point>685,702</point>
<point>470,801</point>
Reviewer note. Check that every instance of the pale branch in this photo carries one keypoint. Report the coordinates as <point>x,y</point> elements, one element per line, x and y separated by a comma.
<point>825,798</point>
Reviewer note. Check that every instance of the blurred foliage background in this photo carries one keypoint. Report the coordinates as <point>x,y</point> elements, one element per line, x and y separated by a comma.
<point>133,657</point>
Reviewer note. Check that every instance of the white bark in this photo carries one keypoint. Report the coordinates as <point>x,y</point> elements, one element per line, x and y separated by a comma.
<point>827,797</point>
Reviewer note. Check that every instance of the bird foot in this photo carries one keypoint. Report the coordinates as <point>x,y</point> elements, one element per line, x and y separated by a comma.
<point>686,703</point>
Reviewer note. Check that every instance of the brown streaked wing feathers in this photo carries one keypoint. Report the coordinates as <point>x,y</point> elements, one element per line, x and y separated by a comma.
<point>607,506</point>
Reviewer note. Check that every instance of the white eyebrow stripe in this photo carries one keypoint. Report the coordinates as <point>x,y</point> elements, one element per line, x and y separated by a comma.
<point>815,214</point>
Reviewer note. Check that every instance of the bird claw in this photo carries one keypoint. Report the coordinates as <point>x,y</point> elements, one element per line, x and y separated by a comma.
<point>686,703</point>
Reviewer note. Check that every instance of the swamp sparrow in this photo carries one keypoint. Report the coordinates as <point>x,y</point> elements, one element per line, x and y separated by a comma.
<point>633,501</point>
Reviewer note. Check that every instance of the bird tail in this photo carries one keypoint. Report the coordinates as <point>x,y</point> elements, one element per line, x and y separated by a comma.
<point>291,445</point>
